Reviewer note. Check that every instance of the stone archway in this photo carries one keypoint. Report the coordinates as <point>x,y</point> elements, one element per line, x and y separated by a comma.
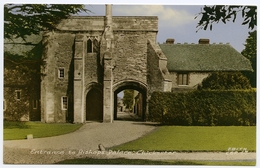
<point>94,105</point>
<point>134,85</point>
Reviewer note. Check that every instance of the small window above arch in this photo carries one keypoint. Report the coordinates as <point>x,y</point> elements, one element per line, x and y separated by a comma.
<point>92,44</point>
<point>89,46</point>
<point>95,45</point>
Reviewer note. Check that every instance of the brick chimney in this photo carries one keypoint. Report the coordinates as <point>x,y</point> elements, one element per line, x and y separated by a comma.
<point>170,41</point>
<point>203,41</point>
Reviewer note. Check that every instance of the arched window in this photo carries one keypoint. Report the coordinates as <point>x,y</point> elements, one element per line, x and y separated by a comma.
<point>95,46</point>
<point>89,46</point>
<point>92,45</point>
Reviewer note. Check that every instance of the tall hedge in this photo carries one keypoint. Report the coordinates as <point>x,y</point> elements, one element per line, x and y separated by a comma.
<point>205,108</point>
<point>225,81</point>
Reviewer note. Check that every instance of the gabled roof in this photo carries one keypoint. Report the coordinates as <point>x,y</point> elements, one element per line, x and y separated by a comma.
<point>204,57</point>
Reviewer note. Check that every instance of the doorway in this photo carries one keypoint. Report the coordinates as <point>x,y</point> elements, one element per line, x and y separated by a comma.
<point>94,105</point>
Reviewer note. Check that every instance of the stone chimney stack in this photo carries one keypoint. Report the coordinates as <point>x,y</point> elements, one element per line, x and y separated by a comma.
<point>170,41</point>
<point>203,41</point>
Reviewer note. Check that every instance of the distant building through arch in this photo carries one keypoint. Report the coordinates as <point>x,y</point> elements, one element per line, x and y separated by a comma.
<point>134,85</point>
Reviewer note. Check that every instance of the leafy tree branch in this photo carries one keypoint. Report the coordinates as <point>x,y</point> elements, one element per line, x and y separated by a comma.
<point>226,13</point>
<point>21,20</point>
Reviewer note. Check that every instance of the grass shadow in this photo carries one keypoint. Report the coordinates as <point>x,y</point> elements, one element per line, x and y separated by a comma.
<point>148,123</point>
<point>15,124</point>
<point>123,161</point>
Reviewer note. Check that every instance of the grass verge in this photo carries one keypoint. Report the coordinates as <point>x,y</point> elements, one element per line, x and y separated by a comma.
<point>122,161</point>
<point>195,138</point>
<point>19,130</point>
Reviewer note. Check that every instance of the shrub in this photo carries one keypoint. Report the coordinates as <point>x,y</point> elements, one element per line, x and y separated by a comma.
<point>225,80</point>
<point>207,108</point>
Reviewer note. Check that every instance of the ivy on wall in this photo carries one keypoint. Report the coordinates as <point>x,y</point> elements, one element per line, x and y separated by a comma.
<point>22,73</point>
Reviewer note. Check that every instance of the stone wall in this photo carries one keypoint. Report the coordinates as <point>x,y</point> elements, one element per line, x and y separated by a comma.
<point>130,57</point>
<point>97,23</point>
<point>135,23</point>
<point>93,70</point>
<point>58,53</point>
<point>16,110</point>
<point>25,79</point>
<point>158,75</point>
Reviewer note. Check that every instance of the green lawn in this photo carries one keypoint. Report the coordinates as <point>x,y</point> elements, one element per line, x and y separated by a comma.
<point>195,138</point>
<point>19,130</point>
<point>122,161</point>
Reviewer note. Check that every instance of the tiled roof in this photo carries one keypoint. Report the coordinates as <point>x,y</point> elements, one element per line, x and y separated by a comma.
<point>204,57</point>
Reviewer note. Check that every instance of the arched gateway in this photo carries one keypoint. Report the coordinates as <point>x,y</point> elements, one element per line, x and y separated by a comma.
<point>91,59</point>
<point>135,85</point>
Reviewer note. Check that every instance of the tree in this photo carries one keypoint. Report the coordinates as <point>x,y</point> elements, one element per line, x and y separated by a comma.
<point>250,53</point>
<point>128,98</point>
<point>224,13</point>
<point>225,81</point>
<point>21,20</point>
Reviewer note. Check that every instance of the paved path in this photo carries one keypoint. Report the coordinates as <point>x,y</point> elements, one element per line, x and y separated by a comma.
<point>127,116</point>
<point>84,143</point>
<point>87,138</point>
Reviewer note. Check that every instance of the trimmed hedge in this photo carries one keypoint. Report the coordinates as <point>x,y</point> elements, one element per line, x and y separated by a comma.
<point>225,81</point>
<point>204,108</point>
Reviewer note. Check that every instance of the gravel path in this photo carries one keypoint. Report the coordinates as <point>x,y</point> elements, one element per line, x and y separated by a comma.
<point>87,138</point>
<point>84,143</point>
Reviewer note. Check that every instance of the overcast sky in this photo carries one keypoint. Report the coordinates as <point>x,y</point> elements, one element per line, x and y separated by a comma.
<point>178,22</point>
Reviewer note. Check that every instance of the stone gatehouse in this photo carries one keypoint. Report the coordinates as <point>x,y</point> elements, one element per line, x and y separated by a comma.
<point>89,60</point>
